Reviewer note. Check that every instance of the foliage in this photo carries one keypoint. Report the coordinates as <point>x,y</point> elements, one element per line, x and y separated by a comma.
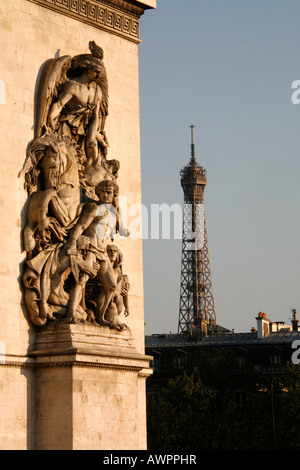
<point>180,418</point>
<point>288,409</point>
<point>202,413</point>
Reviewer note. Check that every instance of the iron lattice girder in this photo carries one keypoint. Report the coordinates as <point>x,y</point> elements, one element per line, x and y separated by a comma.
<point>196,290</point>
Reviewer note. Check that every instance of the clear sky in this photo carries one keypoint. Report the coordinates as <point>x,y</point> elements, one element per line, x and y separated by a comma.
<point>226,66</point>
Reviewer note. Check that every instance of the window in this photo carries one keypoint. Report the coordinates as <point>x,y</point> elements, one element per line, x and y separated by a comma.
<point>240,360</point>
<point>275,360</point>
<point>179,362</point>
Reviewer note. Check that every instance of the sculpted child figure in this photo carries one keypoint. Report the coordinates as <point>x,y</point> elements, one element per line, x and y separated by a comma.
<point>119,296</point>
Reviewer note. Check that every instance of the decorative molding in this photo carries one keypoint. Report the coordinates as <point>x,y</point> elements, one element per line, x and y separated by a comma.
<point>124,367</point>
<point>17,364</point>
<point>83,364</point>
<point>71,352</point>
<point>126,6</point>
<point>145,373</point>
<point>119,17</point>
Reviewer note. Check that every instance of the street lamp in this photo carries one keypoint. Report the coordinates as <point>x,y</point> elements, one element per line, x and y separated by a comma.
<point>279,388</point>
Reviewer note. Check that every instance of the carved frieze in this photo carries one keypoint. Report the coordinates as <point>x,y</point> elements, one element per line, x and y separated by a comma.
<point>74,269</point>
<point>120,17</point>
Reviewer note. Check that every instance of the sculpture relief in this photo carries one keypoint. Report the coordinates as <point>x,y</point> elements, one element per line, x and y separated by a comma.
<point>72,272</point>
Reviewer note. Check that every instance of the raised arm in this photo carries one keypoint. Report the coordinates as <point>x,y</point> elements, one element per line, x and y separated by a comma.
<point>64,97</point>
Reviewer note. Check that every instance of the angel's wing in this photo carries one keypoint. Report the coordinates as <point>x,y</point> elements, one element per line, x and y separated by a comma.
<point>53,75</point>
<point>97,51</point>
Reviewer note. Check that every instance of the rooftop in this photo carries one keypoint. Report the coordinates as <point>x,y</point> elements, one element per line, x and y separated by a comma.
<point>175,340</point>
<point>267,332</point>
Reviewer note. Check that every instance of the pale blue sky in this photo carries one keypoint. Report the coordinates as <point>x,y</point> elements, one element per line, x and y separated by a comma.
<point>227,67</point>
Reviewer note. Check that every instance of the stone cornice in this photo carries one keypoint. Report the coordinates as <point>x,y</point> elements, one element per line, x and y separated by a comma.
<point>142,371</point>
<point>120,17</point>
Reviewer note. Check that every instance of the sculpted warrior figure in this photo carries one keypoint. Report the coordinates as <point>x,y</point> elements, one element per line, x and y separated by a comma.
<point>52,182</point>
<point>98,222</point>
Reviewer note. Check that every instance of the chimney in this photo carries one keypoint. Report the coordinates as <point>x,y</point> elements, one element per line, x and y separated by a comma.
<point>201,328</point>
<point>294,320</point>
<point>262,325</point>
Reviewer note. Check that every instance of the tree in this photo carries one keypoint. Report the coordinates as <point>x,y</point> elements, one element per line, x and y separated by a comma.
<point>182,418</point>
<point>203,413</point>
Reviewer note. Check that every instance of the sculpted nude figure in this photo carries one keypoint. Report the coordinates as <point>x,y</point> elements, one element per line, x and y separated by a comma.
<point>119,296</point>
<point>95,215</point>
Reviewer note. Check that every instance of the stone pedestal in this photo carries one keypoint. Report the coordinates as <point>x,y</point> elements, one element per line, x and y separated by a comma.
<point>89,389</point>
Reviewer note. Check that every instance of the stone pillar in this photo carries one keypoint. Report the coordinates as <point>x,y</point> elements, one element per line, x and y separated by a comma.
<point>68,386</point>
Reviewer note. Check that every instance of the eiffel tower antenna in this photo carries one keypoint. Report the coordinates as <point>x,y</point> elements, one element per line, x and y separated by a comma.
<point>192,142</point>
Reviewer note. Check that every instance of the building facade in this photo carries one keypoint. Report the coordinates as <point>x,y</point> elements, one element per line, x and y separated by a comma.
<point>264,351</point>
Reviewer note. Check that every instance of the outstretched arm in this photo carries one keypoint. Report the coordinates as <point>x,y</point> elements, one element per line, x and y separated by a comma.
<point>88,215</point>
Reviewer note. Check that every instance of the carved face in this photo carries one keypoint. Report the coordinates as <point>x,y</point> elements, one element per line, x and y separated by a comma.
<point>106,195</point>
<point>52,154</point>
<point>93,73</point>
<point>112,252</point>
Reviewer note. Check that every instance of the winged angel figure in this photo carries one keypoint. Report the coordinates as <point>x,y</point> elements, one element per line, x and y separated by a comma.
<point>64,166</point>
<point>73,100</point>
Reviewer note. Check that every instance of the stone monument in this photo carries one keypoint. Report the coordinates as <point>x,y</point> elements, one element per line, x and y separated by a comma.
<point>72,360</point>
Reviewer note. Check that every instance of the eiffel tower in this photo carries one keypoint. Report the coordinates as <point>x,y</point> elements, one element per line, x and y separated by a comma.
<point>196,290</point>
